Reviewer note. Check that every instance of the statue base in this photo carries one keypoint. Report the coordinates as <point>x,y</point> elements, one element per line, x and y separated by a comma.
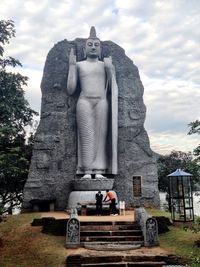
<point>78,199</point>
<point>85,190</point>
<point>92,184</point>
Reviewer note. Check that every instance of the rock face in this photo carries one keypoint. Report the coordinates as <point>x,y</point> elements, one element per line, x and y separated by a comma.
<point>54,159</point>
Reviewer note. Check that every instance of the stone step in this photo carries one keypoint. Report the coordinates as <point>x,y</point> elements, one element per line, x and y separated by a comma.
<point>121,258</point>
<point>109,223</point>
<point>109,227</point>
<point>113,246</point>
<point>125,264</point>
<point>111,233</point>
<point>110,238</point>
<point>122,242</point>
<point>95,222</point>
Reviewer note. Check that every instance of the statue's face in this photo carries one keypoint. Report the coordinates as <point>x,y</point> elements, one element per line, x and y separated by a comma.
<point>93,48</point>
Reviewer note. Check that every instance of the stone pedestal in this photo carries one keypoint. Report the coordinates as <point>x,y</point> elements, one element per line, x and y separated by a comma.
<point>85,191</point>
<point>92,184</point>
<point>78,199</point>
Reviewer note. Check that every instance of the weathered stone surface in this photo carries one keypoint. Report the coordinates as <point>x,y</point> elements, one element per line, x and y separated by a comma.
<point>151,238</point>
<point>73,230</point>
<point>54,160</point>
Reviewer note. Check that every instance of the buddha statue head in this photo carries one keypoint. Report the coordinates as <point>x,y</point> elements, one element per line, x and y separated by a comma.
<point>93,45</point>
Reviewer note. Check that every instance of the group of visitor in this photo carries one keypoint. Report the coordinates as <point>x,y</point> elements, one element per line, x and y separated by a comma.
<point>109,197</point>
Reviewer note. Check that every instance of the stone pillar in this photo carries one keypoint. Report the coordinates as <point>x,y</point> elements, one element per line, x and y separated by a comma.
<point>73,230</point>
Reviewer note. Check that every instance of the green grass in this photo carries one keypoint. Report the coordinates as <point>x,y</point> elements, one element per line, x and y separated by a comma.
<point>179,242</point>
<point>156,212</point>
<point>25,246</point>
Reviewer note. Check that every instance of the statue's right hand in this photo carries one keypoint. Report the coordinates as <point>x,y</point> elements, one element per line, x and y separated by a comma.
<point>72,57</point>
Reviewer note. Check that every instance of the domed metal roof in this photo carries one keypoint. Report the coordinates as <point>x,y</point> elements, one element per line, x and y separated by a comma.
<point>179,172</point>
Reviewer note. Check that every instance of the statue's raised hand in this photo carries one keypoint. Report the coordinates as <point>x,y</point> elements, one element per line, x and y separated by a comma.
<point>72,57</point>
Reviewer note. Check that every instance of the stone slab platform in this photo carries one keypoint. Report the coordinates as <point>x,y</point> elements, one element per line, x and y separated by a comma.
<point>129,216</point>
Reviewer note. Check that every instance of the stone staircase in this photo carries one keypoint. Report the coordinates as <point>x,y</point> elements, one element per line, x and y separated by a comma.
<point>111,235</point>
<point>111,243</point>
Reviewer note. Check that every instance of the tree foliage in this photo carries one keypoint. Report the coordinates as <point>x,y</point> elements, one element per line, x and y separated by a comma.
<point>15,115</point>
<point>176,160</point>
<point>195,129</point>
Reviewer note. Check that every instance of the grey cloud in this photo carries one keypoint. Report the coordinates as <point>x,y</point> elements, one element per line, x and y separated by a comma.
<point>170,105</point>
<point>165,38</point>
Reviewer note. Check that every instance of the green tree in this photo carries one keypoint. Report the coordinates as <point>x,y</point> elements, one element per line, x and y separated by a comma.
<point>195,129</point>
<point>15,115</point>
<point>176,160</point>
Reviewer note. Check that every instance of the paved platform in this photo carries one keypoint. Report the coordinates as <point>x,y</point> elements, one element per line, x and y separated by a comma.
<point>129,216</point>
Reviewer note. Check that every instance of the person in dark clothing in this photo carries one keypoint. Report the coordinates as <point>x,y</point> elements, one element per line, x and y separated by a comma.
<point>99,198</point>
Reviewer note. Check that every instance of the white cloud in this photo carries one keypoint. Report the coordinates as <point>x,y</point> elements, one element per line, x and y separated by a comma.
<point>33,92</point>
<point>161,37</point>
<point>166,141</point>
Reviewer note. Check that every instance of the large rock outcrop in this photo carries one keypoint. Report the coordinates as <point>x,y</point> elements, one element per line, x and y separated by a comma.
<point>53,165</point>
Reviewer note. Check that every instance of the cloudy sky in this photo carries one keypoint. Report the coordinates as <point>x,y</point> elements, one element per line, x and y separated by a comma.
<point>161,37</point>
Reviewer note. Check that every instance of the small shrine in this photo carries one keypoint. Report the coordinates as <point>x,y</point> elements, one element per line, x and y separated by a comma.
<point>180,196</point>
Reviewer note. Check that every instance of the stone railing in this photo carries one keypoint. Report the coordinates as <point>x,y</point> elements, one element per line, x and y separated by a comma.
<point>149,227</point>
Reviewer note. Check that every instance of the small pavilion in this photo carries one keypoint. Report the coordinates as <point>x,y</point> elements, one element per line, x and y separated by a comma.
<point>181,196</point>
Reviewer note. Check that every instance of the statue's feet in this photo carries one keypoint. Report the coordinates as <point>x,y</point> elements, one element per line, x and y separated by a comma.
<point>99,176</point>
<point>87,176</point>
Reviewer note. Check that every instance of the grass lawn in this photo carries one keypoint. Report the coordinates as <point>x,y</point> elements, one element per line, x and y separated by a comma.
<point>179,242</point>
<point>25,246</point>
